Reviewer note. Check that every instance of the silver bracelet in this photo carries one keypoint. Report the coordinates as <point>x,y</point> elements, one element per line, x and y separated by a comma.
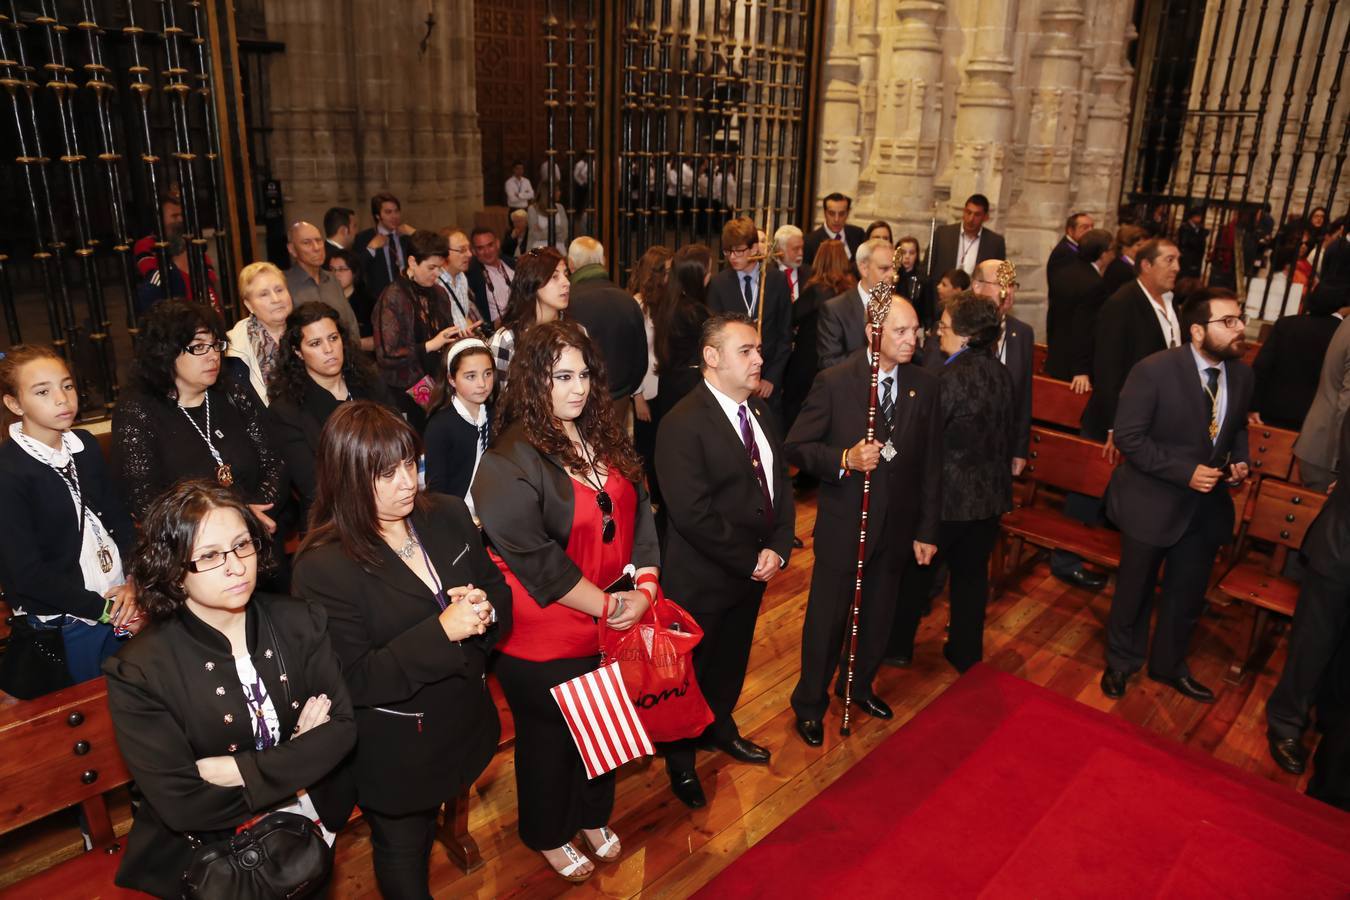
<point>618,606</point>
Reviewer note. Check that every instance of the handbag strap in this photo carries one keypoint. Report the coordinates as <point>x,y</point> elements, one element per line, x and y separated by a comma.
<point>600,627</point>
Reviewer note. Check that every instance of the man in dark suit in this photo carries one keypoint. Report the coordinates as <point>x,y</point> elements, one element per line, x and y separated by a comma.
<point>1320,622</point>
<point>490,274</point>
<point>610,316</point>
<point>720,461</point>
<point>1075,227</point>
<point>1191,237</point>
<point>1016,349</point>
<point>1336,258</point>
<point>840,327</point>
<point>905,462</point>
<point>966,244</point>
<point>1181,428</point>
<point>837,207</point>
<point>1134,322</point>
<point>1289,364</point>
<point>1130,239</point>
<point>339,229</point>
<point>737,289</point>
<point>1077,292</point>
<point>384,246</point>
<point>1318,444</point>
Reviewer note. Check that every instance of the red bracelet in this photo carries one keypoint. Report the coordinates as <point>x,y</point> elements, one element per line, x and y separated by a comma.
<point>649,578</point>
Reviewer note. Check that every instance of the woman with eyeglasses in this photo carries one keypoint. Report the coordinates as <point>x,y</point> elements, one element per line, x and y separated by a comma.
<point>346,268</point>
<point>231,702</point>
<point>561,499</point>
<point>181,421</point>
<point>540,293</point>
<point>414,608</point>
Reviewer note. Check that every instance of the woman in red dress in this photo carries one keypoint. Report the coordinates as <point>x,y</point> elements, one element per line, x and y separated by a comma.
<point>561,500</point>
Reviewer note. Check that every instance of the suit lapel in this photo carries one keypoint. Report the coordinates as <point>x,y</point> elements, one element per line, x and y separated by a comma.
<point>1189,377</point>
<point>721,425</point>
<point>395,572</point>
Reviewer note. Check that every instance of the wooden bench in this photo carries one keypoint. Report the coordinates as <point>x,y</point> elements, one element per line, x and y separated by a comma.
<point>1071,464</point>
<point>1272,451</point>
<point>1038,355</point>
<point>1053,402</point>
<point>57,752</point>
<point>1280,515</point>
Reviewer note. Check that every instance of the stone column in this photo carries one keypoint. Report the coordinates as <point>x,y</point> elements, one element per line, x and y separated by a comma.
<point>983,131</point>
<point>840,136</point>
<point>1102,161</point>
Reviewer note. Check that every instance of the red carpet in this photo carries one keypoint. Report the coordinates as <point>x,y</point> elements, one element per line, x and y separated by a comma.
<point>1000,788</point>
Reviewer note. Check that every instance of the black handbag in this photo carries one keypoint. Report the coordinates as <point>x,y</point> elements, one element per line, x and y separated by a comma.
<point>34,661</point>
<point>283,854</point>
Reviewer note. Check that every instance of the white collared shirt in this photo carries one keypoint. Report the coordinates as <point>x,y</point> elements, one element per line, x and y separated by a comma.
<point>1221,395</point>
<point>968,251</point>
<point>753,274</point>
<point>498,279</point>
<point>1167,316</point>
<point>519,192</point>
<point>477,423</point>
<point>841,238</point>
<point>732,410</point>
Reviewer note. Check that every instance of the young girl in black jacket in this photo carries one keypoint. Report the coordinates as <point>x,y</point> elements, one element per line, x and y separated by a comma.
<point>460,419</point>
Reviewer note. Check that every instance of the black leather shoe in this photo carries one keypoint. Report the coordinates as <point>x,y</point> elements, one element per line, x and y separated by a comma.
<point>874,707</point>
<point>685,786</point>
<point>1080,578</point>
<point>812,731</point>
<point>745,751</point>
<point>1113,683</point>
<point>899,661</point>
<point>1187,686</point>
<point>1289,753</point>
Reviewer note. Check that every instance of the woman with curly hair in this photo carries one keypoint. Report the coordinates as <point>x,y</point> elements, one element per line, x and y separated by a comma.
<point>321,367</point>
<point>231,702</point>
<point>539,293</point>
<point>561,499</point>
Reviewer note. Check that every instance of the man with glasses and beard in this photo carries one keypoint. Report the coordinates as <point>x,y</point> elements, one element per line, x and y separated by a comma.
<point>1181,429</point>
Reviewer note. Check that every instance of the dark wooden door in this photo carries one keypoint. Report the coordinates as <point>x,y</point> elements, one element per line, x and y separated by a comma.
<point>510,85</point>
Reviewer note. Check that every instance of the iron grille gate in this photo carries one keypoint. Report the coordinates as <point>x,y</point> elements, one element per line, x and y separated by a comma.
<point>702,109</point>
<point>1239,107</point>
<point>111,106</point>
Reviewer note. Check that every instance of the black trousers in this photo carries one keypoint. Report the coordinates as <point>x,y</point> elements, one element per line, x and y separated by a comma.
<point>553,794</point>
<point>1320,621</point>
<point>720,661</point>
<point>1330,780</point>
<point>402,851</point>
<point>1189,562</point>
<point>825,630</point>
<point>965,548</point>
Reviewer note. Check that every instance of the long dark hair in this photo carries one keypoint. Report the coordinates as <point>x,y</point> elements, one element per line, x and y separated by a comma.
<point>292,377</point>
<point>443,394</point>
<point>160,561</point>
<point>650,277</point>
<point>533,270</point>
<point>529,399</point>
<point>165,331</point>
<point>688,271</point>
<point>360,441</point>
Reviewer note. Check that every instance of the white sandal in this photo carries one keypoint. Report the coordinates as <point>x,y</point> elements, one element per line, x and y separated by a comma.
<point>575,861</point>
<point>604,852</point>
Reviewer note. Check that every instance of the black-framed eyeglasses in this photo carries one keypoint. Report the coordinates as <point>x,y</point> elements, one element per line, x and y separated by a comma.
<point>606,515</point>
<point>214,559</point>
<point>203,349</point>
<point>1229,321</point>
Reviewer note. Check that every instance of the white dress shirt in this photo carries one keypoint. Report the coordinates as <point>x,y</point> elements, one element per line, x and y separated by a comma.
<point>968,251</point>
<point>732,410</point>
<point>841,238</point>
<point>519,192</point>
<point>462,311</point>
<point>1221,395</point>
<point>1167,316</point>
<point>498,280</point>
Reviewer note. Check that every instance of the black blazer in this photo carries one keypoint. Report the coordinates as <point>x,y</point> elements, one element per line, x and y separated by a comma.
<point>905,497</point>
<point>1327,543</point>
<point>1020,340</point>
<point>427,726</point>
<point>376,268</point>
<point>1127,331</point>
<point>979,434</point>
<point>1288,368</point>
<point>39,530</point>
<point>714,503</point>
<point>174,696</point>
<point>1191,244</point>
<point>1063,252</point>
<point>853,236</point>
<point>526,503</point>
<point>1077,292</point>
<point>614,321</point>
<point>297,426</point>
<point>1336,263</point>
<point>451,449</point>
<point>1162,432</point>
<point>946,245</point>
<point>841,328</point>
<point>1118,274</point>
<point>725,296</point>
<point>803,363</point>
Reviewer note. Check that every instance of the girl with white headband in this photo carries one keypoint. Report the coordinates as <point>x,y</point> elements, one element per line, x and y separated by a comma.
<point>460,420</point>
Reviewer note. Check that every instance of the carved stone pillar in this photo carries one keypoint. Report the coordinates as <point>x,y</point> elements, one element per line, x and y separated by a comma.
<point>983,132</point>
<point>841,139</point>
<point>1101,166</point>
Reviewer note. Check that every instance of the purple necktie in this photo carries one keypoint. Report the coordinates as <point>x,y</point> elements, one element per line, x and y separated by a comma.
<point>752,450</point>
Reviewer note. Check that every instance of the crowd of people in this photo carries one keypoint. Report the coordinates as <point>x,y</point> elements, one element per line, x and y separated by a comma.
<point>420,458</point>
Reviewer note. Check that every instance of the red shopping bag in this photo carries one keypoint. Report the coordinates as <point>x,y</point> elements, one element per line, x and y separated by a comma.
<point>655,657</point>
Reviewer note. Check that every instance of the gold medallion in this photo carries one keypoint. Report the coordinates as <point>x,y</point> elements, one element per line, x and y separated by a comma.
<point>224,475</point>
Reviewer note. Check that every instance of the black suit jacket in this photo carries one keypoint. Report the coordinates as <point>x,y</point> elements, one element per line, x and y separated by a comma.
<point>376,267</point>
<point>1062,253</point>
<point>840,329</point>
<point>1020,340</point>
<point>1327,543</point>
<point>905,497</point>
<point>853,236</point>
<point>1289,366</point>
<point>426,724</point>
<point>1162,432</point>
<point>726,296</point>
<point>946,246</point>
<point>714,503</point>
<point>1077,292</point>
<point>1127,330</point>
<point>174,697</point>
<point>614,321</point>
<point>451,449</point>
<point>1118,274</point>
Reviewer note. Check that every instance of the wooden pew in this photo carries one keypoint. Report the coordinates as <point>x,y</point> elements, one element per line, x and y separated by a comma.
<point>1071,464</point>
<point>1054,403</point>
<point>1272,451</point>
<point>1280,515</point>
<point>56,752</point>
<point>1038,354</point>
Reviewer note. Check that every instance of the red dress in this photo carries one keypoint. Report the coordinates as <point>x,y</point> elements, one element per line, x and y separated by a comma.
<point>542,633</point>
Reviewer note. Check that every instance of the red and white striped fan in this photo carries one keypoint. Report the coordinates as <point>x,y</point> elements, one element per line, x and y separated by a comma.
<point>602,720</point>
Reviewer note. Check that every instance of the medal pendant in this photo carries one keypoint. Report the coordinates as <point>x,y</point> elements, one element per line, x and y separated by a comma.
<point>223,475</point>
<point>1213,431</point>
<point>888,451</point>
<point>104,560</point>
